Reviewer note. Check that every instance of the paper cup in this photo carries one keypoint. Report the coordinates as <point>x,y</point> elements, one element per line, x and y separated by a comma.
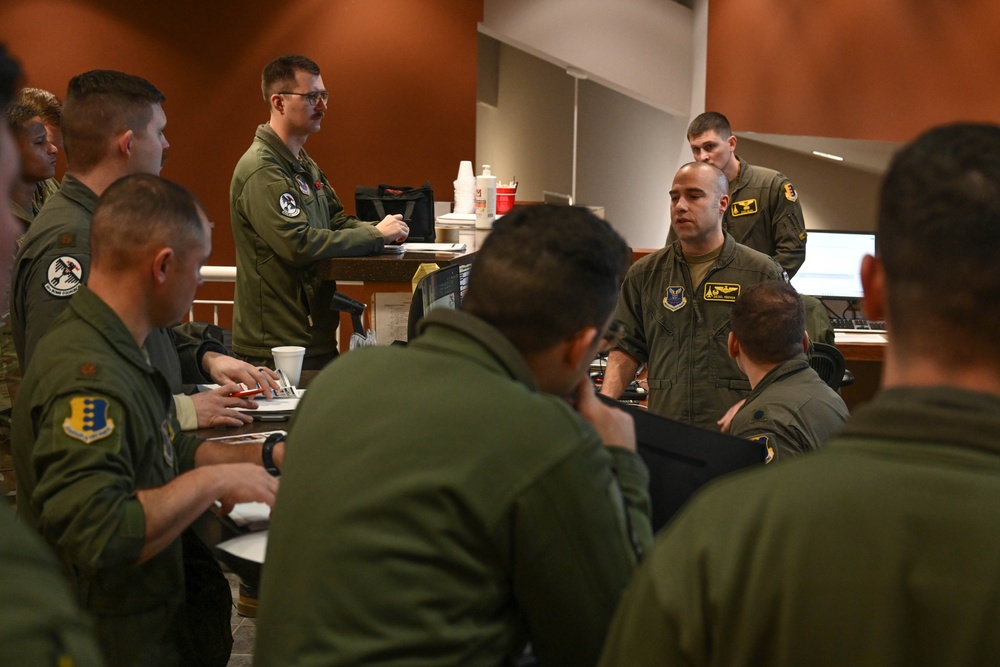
<point>505,199</point>
<point>446,234</point>
<point>288,359</point>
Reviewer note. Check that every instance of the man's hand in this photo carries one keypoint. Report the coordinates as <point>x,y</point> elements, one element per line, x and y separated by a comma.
<point>215,407</point>
<point>393,229</point>
<point>224,369</point>
<point>244,483</point>
<point>727,419</point>
<point>616,427</point>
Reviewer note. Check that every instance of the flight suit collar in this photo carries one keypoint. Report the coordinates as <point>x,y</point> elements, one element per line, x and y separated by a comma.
<point>267,134</point>
<point>463,334</point>
<point>74,190</point>
<point>796,364</point>
<point>931,414</point>
<point>742,177</point>
<point>93,310</point>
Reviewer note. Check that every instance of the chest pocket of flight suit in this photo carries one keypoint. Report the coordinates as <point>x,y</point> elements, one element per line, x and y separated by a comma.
<point>663,349</point>
<point>723,367</point>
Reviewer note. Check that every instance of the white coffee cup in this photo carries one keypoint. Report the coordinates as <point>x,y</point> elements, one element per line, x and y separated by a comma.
<point>288,360</point>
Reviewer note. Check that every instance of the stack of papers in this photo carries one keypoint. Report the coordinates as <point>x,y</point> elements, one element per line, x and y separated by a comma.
<point>423,247</point>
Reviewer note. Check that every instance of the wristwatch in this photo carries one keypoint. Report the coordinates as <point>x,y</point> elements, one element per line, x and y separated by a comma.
<point>267,452</point>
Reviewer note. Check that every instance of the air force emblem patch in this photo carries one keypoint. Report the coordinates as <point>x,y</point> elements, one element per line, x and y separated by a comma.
<point>289,207</point>
<point>64,276</point>
<point>721,291</point>
<point>674,299</point>
<point>764,440</point>
<point>790,193</point>
<point>744,207</point>
<point>88,420</point>
<point>300,180</point>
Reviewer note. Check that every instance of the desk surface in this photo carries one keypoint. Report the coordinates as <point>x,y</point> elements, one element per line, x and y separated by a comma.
<point>386,268</point>
<point>861,346</point>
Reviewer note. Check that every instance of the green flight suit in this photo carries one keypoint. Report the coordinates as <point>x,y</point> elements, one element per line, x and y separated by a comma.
<point>880,549</point>
<point>285,217</point>
<point>467,515</point>
<point>791,411</point>
<point>681,331</point>
<point>92,426</point>
<point>40,624</point>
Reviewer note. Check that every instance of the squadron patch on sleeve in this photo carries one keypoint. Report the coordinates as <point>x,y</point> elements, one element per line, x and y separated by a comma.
<point>764,440</point>
<point>289,207</point>
<point>674,299</point>
<point>744,207</point>
<point>300,180</point>
<point>167,433</point>
<point>790,193</point>
<point>721,291</point>
<point>64,276</point>
<point>88,420</point>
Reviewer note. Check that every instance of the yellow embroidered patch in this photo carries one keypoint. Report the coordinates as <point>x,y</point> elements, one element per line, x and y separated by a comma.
<point>88,420</point>
<point>721,291</point>
<point>790,193</point>
<point>744,207</point>
<point>763,440</point>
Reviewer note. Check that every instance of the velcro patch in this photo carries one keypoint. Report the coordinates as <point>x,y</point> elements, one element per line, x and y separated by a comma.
<point>721,291</point>
<point>674,299</point>
<point>763,440</point>
<point>64,276</point>
<point>88,420</point>
<point>744,207</point>
<point>790,193</point>
<point>288,205</point>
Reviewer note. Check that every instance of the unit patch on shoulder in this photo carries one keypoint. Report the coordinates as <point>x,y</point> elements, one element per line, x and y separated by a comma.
<point>167,433</point>
<point>763,440</point>
<point>289,207</point>
<point>744,207</point>
<point>721,291</point>
<point>790,193</point>
<point>674,299</point>
<point>64,276</point>
<point>88,420</point>
<point>802,236</point>
<point>300,180</point>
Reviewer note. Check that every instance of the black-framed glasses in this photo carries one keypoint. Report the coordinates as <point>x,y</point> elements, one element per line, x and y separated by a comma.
<point>314,97</point>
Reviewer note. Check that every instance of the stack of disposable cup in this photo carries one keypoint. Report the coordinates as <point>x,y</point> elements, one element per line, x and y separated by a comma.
<point>465,189</point>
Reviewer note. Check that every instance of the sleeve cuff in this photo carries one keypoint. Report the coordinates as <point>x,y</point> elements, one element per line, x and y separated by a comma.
<point>186,414</point>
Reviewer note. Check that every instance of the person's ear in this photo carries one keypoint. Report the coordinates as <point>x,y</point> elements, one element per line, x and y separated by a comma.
<point>734,345</point>
<point>723,203</point>
<point>277,103</point>
<point>873,283</point>
<point>732,142</point>
<point>805,342</point>
<point>163,262</point>
<point>124,143</point>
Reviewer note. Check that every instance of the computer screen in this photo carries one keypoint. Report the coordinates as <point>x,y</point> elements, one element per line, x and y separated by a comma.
<point>833,264</point>
<point>442,289</point>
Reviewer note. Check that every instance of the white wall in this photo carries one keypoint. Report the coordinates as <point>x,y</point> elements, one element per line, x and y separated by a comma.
<point>642,48</point>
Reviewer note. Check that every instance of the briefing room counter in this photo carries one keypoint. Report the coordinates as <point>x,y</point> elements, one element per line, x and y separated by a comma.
<point>379,274</point>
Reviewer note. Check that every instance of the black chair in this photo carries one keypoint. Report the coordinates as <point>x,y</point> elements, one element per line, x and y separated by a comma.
<point>829,364</point>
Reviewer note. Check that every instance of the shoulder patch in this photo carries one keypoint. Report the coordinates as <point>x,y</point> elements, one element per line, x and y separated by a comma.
<point>288,205</point>
<point>764,440</point>
<point>790,193</point>
<point>674,299</point>
<point>743,207</point>
<point>167,436</point>
<point>88,420</point>
<point>721,291</point>
<point>64,276</point>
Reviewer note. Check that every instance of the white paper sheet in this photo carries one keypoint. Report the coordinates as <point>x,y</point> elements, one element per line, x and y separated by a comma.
<point>251,546</point>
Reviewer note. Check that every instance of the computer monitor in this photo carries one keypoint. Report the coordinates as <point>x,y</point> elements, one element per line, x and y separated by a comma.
<point>833,264</point>
<point>442,289</point>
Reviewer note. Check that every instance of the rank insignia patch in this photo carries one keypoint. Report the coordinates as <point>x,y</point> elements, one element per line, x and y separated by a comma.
<point>674,299</point>
<point>745,207</point>
<point>64,276</point>
<point>790,193</point>
<point>300,180</point>
<point>289,207</point>
<point>88,420</point>
<point>763,440</point>
<point>67,239</point>
<point>759,415</point>
<point>721,291</point>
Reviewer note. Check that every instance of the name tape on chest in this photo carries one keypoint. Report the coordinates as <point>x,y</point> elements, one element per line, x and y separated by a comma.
<point>743,207</point>
<point>64,276</point>
<point>721,292</point>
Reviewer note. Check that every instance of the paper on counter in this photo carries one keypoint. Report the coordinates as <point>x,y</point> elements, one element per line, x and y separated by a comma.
<point>250,514</point>
<point>251,546</point>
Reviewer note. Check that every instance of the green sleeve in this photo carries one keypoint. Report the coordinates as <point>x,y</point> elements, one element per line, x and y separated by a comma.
<point>789,229</point>
<point>572,555</point>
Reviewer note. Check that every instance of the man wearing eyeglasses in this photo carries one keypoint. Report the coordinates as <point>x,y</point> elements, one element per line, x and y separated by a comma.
<point>285,218</point>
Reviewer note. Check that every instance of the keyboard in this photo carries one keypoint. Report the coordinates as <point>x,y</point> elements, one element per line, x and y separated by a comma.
<point>857,324</point>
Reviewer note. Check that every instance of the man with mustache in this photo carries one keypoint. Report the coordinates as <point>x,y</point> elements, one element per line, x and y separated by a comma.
<point>285,218</point>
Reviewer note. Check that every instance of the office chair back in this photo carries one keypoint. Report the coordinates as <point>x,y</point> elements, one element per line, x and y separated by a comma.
<point>829,364</point>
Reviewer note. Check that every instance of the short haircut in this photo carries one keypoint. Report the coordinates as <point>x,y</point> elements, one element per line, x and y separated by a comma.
<point>545,273</point>
<point>768,319</point>
<point>17,116</point>
<point>280,73</point>
<point>938,231</point>
<point>10,75</point>
<point>710,120</point>
<point>100,105</point>
<point>140,211</point>
<point>46,105</point>
<point>719,177</point>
